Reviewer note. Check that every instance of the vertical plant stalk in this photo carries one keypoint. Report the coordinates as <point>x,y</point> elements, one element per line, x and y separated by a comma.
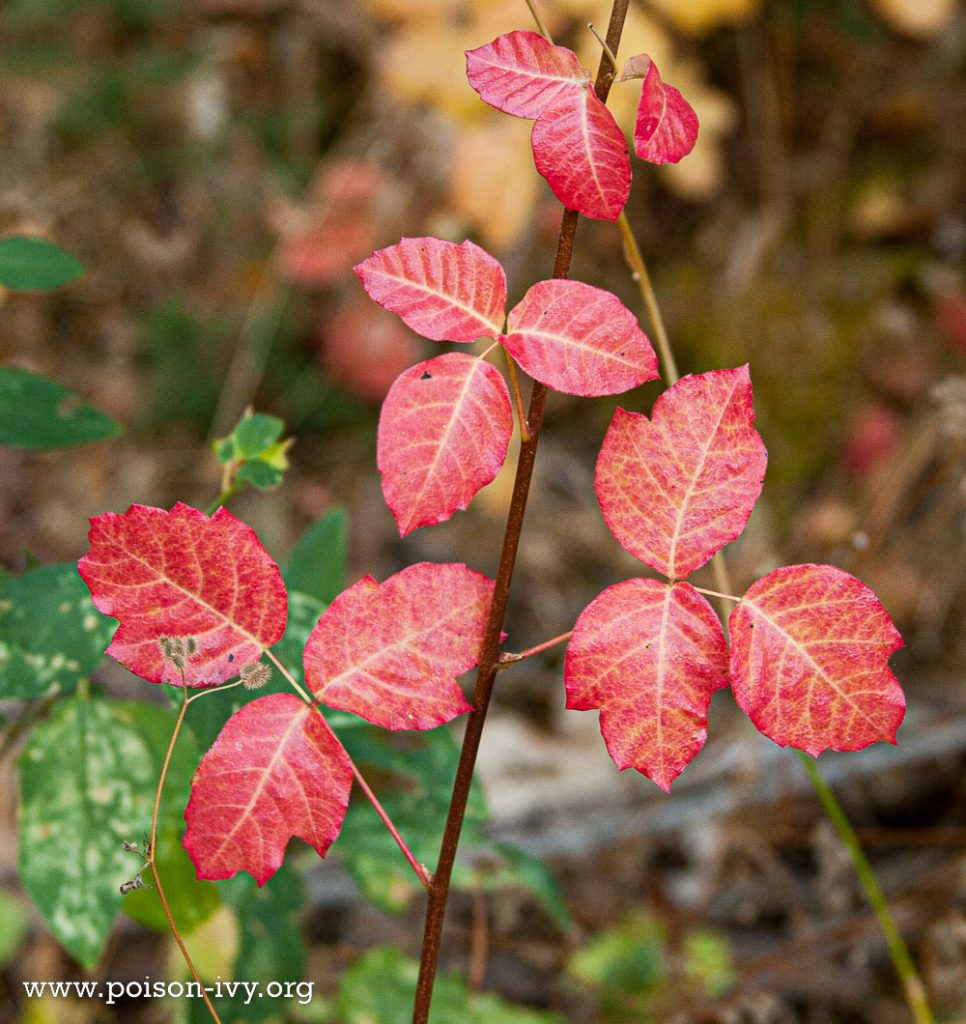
<point>913,987</point>
<point>490,653</point>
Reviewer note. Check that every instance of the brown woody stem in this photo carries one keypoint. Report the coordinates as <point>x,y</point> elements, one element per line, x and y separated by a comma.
<point>490,654</point>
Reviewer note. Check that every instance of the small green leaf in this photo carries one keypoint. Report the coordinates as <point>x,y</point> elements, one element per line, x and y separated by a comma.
<point>52,636</point>
<point>628,959</point>
<point>34,264</point>
<point>36,412</point>
<point>524,869</point>
<point>87,783</point>
<point>318,564</point>
<point>255,433</point>
<point>260,475</point>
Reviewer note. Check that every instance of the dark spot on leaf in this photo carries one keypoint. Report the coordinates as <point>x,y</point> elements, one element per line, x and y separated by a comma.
<point>231,658</point>
<point>426,375</point>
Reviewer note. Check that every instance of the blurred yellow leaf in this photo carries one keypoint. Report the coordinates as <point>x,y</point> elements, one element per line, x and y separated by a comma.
<point>918,19</point>
<point>488,155</point>
<point>698,16</point>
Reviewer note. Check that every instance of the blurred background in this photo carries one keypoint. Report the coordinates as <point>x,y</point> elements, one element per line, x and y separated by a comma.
<point>219,166</point>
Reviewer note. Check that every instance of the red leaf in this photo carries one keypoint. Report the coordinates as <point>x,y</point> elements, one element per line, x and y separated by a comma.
<point>521,73</point>
<point>390,652</point>
<point>667,126</point>
<point>579,149</point>
<point>809,651</point>
<point>275,771</point>
<point>579,339</point>
<point>649,655</point>
<point>443,434</point>
<point>183,574</point>
<point>676,488</point>
<point>443,291</point>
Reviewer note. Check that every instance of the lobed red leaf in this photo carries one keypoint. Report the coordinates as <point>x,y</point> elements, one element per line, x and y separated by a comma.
<point>391,652</point>
<point>579,339</point>
<point>678,487</point>
<point>521,73</point>
<point>184,574</point>
<point>275,771</point>
<point>809,651</point>
<point>443,291</point>
<point>649,655</point>
<point>579,149</point>
<point>666,128</point>
<point>443,434</point>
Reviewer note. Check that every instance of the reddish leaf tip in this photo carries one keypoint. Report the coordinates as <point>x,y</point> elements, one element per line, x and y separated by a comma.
<point>666,128</point>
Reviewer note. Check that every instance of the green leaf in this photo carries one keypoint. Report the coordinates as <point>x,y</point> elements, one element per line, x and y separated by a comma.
<point>628,958</point>
<point>413,778</point>
<point>87,782</point>
<point>260,475</point>
<point>13,928</point>
<point>318,564</point>
<point>34,264</point>
<point>380,986</point>
<point>255,433</point>
<point>36,412</point>
<point>51,636</point>
<point>271,948</point>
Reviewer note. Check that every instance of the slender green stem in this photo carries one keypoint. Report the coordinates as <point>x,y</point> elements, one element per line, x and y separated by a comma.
<point>901,958</point>
<point>635,260</point>
<point>541,26</point>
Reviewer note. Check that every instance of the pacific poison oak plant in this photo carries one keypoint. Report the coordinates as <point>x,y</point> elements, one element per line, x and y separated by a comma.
<point>199,601</point>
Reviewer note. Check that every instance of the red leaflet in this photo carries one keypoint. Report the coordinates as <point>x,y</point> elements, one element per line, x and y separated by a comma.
<point>391,652</point>
<point>809,651</point>
<point>579,339</point>
<point>579,149</point>
<point>667,127</point>
<point>678,487</point>
<point>443,434</point>
<point>649,656</point>
<point>443,291</point>
<point>521,73</point>
<point>275,771</point>
<point>183,574</point>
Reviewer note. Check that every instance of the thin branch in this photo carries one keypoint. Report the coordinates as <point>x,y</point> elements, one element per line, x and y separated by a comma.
<point>718,593</point>
<point>541,25</point>
<point>154,852</point>
<point>422,872</point>
<point>489,656</point>
<point>608,52</point>
<point>292,681</point>
<point>507,658</point>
